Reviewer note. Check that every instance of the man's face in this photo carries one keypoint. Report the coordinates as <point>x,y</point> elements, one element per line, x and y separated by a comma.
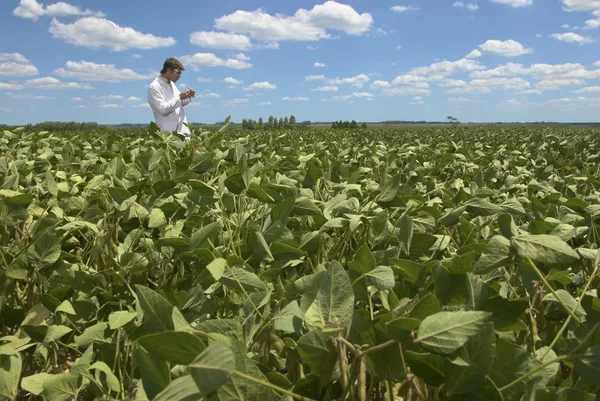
<point>174,74</point>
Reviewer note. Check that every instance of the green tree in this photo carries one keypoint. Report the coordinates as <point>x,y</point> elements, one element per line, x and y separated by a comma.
<point>292,120</point>
<point>271,125</point>
<point>260,123</point>
<point>280,125</point>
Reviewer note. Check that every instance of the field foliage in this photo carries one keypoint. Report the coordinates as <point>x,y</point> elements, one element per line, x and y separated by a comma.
<point>378,264</point>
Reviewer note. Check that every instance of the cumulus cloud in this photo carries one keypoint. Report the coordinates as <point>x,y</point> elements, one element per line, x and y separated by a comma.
<point>31,9</point>
<point>95,32</point>
<point>314,78</point>
<point>571,37</point>
<point>90,71</point>
<point>468,6</point>
<point>514,3</point>
<point>331,88</point>
<point>221,40</point>
<point>210,60</point>
<point>10,87</point>
<point>319,65</point>
<point>355,95</point>
<point>358,80</point>
<point>16,65</point>
<point>506,48</point>
<point>304,25</point>
<point>441,69</point>
<point>232,81</point>
<point>295,99</point>
<point>402,9</point>
<point>53,83</point>
<point>264,85</point>
<point>581,5</point>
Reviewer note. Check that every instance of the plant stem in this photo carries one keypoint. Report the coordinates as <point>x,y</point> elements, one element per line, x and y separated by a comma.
<point>560,301</point>
<point>379,347</point>
<point>271,386</point>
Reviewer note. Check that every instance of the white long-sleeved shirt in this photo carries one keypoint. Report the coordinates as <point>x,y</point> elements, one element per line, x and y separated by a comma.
<point>164,101</point>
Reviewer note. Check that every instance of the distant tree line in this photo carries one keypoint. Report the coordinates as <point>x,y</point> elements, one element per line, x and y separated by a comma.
<point>348,124</point>
<point>271,123</point>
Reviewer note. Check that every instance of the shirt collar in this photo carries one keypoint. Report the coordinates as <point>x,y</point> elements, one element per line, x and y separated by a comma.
<point>165,80</point>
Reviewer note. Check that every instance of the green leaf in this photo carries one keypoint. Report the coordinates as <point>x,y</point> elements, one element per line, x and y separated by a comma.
<point>62,387</point>
<point>406,232</point>
<point>290,319</point>
<point>563,394</point>
<point>217,267</point>
<point>257,192</point>
<point>10,372</point>
<point>333,305</point>
<point>588,365</point>
<point>156,218</point>
<point>497,254</point>
<point>235,183</point>
<point>389,188</point>
<point>364,261</point>
<point>480,351</point>
<point>212,368</point>
<point>317,350</point>
<point>173,346</point>
<point>157,310</point>
<point>542,248</point>
<point>94,334</point>
<point>51,183</point>
<point>120,319</point>
<point>44,251</point>
<point>111,379</point>
<point>35,383</point>
<point>181,389</point>
<point>445,332</point>
<point>381,277</point>
<point>306,207</point>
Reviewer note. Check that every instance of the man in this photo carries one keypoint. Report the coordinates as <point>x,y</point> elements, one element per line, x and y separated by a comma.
<point>167,101</point>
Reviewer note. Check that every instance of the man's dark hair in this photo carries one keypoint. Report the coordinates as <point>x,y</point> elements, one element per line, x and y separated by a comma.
<point>171,63</point>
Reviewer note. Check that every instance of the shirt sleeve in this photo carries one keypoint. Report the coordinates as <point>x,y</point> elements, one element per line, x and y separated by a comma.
<point>187,101</point>
<point>157,100</point>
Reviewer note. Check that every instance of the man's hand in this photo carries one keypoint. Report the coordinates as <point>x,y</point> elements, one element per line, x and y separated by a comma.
<point>187,94</point>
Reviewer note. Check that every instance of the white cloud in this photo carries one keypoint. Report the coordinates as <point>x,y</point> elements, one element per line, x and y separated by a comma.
<point>411,80</point>
<point>241,57</point>
<point>355,95</point>
<point>210,60</point>
<point>554,84</point>
<point>232,81</point>
<point>357,81</point>
<point>459,99</point>
<point>5,110</point>
<point>314,78</point>
<point>235,101</point>
<point>401,9</point>
<point>96,32</point>
<point>417,100</point>
<point>581,5</point>
<point>571,37</point>
<point>16,65</point>
<point>28,96</point>
<point>207,94</point>
<point>506,48</point>
<point>109,106</point>
<point>143,105</point>
<point>136,56</point>
<point>90,71</point>
<point>10,87</point>
<point>468,6</point>
<point>303,25</point>
<point>309,47</point>
<point>380,84</point>
<point>331,88</point>
<point>442,69</point>
<point>530,92</point>
<point>204,80</point>
<point>31,9</point>
<point>589,89</point>
<point>264,104</point>
<point>82,106</point>
<point>53,83</point>
<point>76,99</point>
<point>108,97</point>
<point>264,85</point>
<point>132,99</point>
<point>295,99</point>
<point>474,54</point>
<point>221,40</point>
<point>486,85</point>
<point>319,65</point>
<point>514,3</point>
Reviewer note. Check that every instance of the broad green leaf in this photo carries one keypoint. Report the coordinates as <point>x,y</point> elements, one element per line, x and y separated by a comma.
<point>389,188</point>
<point>317,350</point>
<point>305,206</point>
<point>333,305</point>
<point>290,319</point>
<point>217,267</point>
<point>234,277</point>
<point>364,261</point>
<point>120,319</point>
<point>156,218</point>
<point>157,310</point>
<point>406,232</point>
<point>257,192</point>
<point>35,383</point>
<point>445,332</point>
<point>45,250</point>
<point>547,249</point>
<point>211,369</point>
<point>563,394</point>
<point>497,254</point>
<point>98,333</point>
<point>62,387</point>
<point>154,372</point>
<point>181,389</point>
<point>588,365</point>
<point>10,372</point>
<point>111,379</point>
<point>480,351</point>
<point>381,277</point>
<point>174,346</point>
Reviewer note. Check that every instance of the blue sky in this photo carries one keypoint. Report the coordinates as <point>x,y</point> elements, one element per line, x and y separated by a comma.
<point>477,60</point>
